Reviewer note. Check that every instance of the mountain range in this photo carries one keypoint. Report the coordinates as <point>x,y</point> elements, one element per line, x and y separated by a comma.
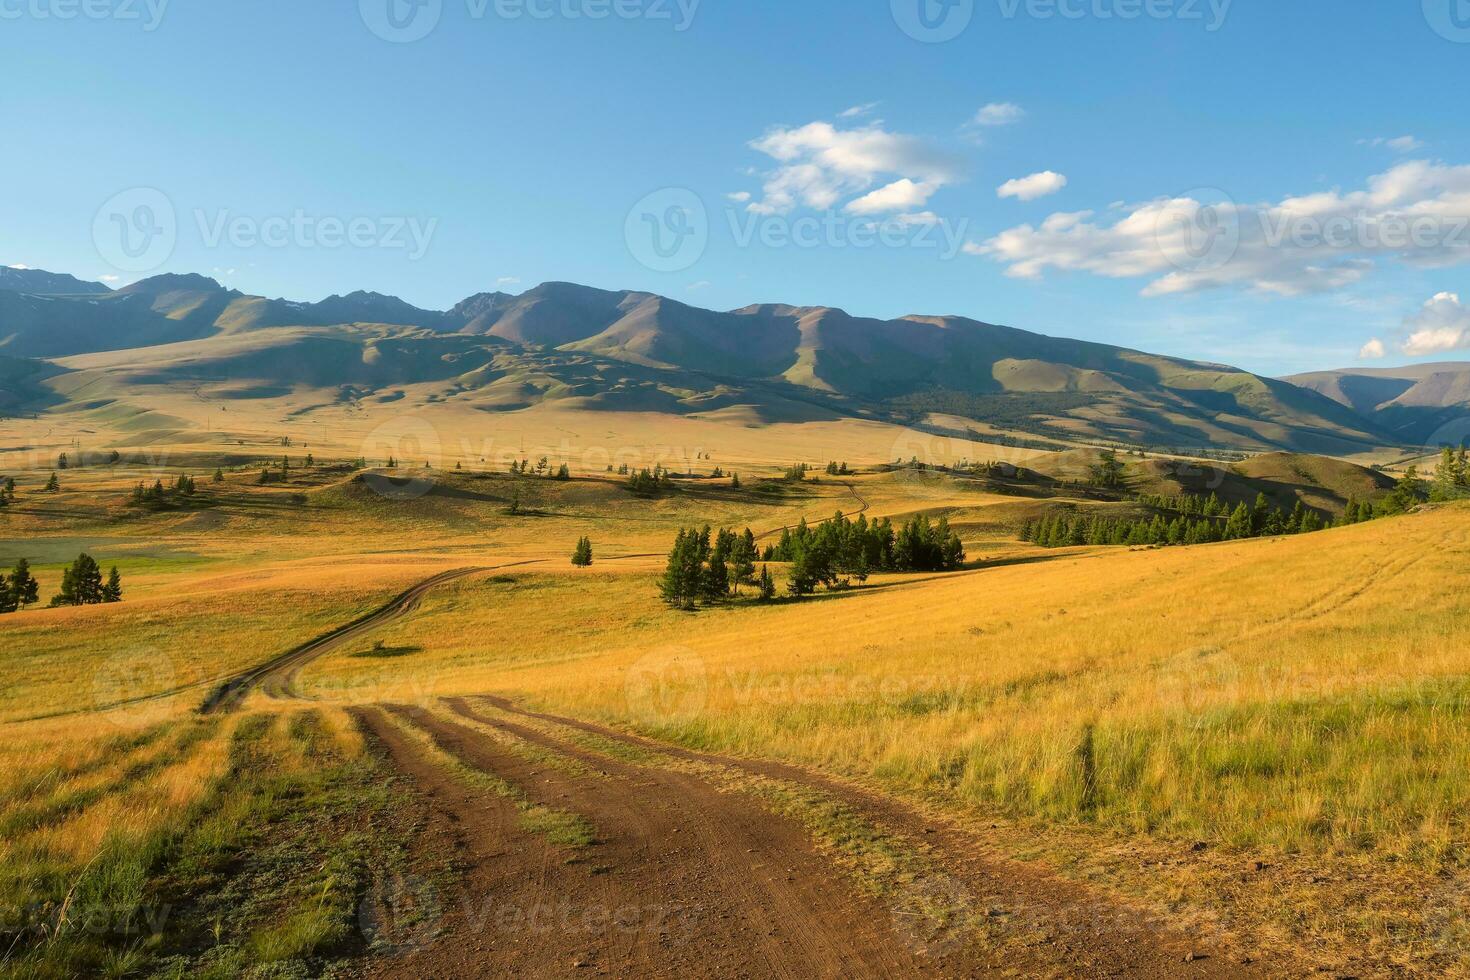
<point>634,351</point>
<point>1421,404</point>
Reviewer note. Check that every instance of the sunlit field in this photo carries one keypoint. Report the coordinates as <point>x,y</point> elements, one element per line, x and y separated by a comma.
<point>1150,721</point>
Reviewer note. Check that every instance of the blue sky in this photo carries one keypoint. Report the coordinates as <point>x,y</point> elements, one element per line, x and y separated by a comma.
<point>503,149</point>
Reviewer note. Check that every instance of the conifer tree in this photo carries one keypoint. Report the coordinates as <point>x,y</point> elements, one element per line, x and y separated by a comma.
<point>81,584</point>
<point>112,591</point>
<point>22,585</point>
<point>767,584</point>
<point>53,485</point>
<point>582,556</point>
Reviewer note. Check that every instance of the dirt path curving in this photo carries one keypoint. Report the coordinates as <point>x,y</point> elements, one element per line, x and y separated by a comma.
<point>276,676</point>
<point>1071,930</point>
<point>683,882</point>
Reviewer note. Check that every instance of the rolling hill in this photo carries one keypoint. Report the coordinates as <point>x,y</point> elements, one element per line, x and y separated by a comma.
<point>1421,404</point>
<point>1319,482</point>
<point>632,351</point>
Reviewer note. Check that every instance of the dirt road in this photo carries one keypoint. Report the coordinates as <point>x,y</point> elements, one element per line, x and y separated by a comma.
<point>689,877</point>
<point>276,676</point>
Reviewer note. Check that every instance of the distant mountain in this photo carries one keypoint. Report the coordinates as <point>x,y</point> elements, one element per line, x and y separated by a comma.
<point>46,283</point>
<point>610,350</point>
<point>1412,403</point>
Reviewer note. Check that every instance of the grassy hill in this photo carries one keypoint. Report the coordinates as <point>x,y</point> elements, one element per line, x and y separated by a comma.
<point>1320,482</point>
<point>1420,404</point>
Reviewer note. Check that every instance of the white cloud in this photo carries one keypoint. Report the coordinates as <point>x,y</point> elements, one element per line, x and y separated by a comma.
<point>859,110</point>
<point>1443,324</point>
<point>1032,187</point>
<point>900,195</point>
<point>819,164</point>
<point>916,218</point>
<point>1417,213</point>
<point>739,197</point>
<point>695,287</point>
<point>1402,144</point>
<point>1372,350</point>
<point>111,278</point>
<point>21,266</point>
<point>508,281</point>
<point>998,114</point>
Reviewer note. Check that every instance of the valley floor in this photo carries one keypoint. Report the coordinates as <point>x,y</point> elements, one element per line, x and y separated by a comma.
<point>333,732</point>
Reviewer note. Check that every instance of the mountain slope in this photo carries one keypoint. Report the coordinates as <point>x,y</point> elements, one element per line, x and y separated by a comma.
<point>613,350</point>
<point>1419,404</point>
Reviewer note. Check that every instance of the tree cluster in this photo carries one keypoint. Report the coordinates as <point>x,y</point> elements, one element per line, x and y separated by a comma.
<point>1107,472</point>
<point>582,554</point>
<point>19,589</point>
<point>82,584</point>
<point>650,483</point>
<point>710,568</point>
<point>840,550</point>
<point>1189,523</point>
<point>157,494</point>
<point>1452,478</point>
<point>838,469</point>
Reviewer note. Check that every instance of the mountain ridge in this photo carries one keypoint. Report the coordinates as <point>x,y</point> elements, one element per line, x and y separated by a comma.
<point>614,350</point>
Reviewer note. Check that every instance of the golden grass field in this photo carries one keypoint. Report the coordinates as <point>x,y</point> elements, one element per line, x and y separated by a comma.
<point>1268,736</point>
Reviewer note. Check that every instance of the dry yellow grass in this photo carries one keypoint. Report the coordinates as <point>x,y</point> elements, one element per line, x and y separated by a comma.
<point>1275,697</point>
<point>1295,693</point>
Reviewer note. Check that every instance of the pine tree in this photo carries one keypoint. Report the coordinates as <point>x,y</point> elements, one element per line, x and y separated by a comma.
<point>1239,525</point>
<point>582,556</point>
<point>112,591</point>
<point>676,585</point>
<point>734,481</point>
<point>1409,491</point>
<point>767,584</point>
<point>10,489</point>
<point>1449,476</point>
<point>22,585</point>
<point>53,485</point>
<point>716,577</point>
<point>742,560</point>
<point>81,584</point>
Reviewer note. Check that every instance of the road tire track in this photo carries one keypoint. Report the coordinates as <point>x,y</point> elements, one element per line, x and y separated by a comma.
<point>276,675</point>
